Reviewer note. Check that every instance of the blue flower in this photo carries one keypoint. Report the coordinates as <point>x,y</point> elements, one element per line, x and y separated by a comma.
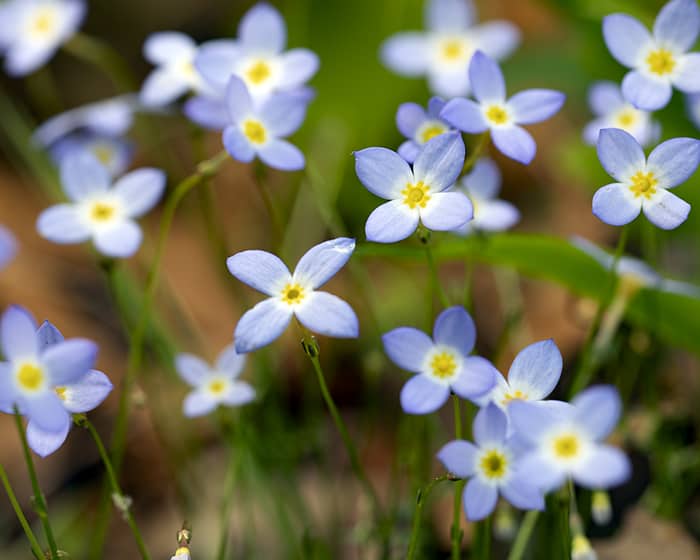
<point>566,440</point>
<point>642,183</point>
<point>8,246</point>
<point>79,396</point>
<point>612,111</point>
<point>419,126</point>
<point>443,52</point>
<point>481,185</point>
<point>258,130</point>
<point>97,209</point>
<point>492,465</point>
<point>33,370</point>
<point>115,153</point>
<point>442,364</point>
<point>213,386</point>
<point>415,195</point>
<point>493,112</point>
<point>658,60</point>
<point>293,295</point>
<point>31,31</point>
<point>693,104</point>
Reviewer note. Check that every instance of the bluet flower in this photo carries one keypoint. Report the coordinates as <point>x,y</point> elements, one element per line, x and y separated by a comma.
<point>115,153</point>
<point>693,104</point>
<point>213,386</point>
<point>566,441</point>
<point>31,31</point>
<point>659,60</point>
<point>492,466</point>
<point>442,53</point>
<point>419,126</point>
<point>293,295</point>
<point>612,111</point>
<point>643,183</point>
<point>97,209</point>
<point>416,195</point>
<point>8,246</point>
<point>441,364</point>
<point>492,111</point>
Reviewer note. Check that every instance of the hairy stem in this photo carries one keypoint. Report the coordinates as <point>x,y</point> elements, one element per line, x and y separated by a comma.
<point>33,542</point>
<point>421,498</point>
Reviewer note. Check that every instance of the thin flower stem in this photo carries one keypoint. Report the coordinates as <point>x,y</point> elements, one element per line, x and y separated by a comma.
<point>276,218</point>
<point>117,494</point>
<point>482,541</point>
<point>421,498</point>
<point>228,434</point>
<point>481,143</point>
<point>456,532</point>
<point>33,542</point>
<point>436,289</point>
<point>527,526</point>
<point>40,504</point>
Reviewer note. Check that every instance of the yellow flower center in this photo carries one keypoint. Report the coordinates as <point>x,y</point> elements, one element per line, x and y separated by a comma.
<point>43,23</point>
<point>416,195</point>
<point>566,446</point>
<point>493,464</point>
<point>187,68</point>
<point>643,184</point>
<point>61,392</point>
<point>626,118</point>
<point>217,386</point>
<point>292,294</point>
<point>515,395</point>
<point>30,377</point>
<point>258,72</point>
<point>453,50</point>
<point>431,131</point>
<point>661,62</point>
<point>103,153</point>
<point>443,365</point>
<point>497,114</point>
<point>254,131</point>
<point>101,212</point>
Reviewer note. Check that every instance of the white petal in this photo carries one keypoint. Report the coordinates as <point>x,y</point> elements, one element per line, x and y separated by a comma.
<point>140,190</point>
<point>326,314</point>
<point>121,240</point>
<point>261,325</point>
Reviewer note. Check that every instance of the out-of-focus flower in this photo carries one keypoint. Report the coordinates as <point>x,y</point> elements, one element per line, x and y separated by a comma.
<point>442,53</point>
<point>415,196</point>
<point>659,61</point>
<point>581,549</point>
<point>491,111</point>
<point>601,509</point>
<point>259,130</point>
<point>642,183</point>
<point>114,153</point>
<point>32,30</point>
<point>442,364</point>
<point>33,371</point>
<point>99,210</point>
<point>419,126</point>
<point>481,185</point>
<point>182,553</point>
<point>612,111</point>
<point>693,104</point>
<point>566,440</point>
<point>293,295</point>
<point>79,396</point>
<point>492,465</point>
<point>8,246</point>
<point>213,386</point>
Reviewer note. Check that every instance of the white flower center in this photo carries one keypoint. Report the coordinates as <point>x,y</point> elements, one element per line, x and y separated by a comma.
<point>454,50</point>
<point>217,386</point>
<point>429,130</point>
<point>497,114</point>
<point>567,447</point>
<point>443,364</point>
<point>643,184</point>
<point>416,195</point>
<point>627,118</point>
<point>493,464</point>
<point>43,22</point>
<point>293,294</point>
<point>255,131</point>
<point>661,62</point>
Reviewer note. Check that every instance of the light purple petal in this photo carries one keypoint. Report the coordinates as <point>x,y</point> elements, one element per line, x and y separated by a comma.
<point>261,325</point>
<point>407,347</point>
<point>283,114</point>
<point>280,154</point>
<point>320,263</point>
<point>198,403</point>
<point>465,115</point>
<point>665,210</point>
<point>160,48</point>
<point>391,222</point>
<point>515,142</point>
<point>48,335</point>
<point>237,145</point>
<point>121,240</point>
<point>541,472</point>
<point>598,410</point>
<point>43,442</point>
<point>688,78</point>
<point>230,361</point>
<point>406,53</point>
<point>479,499</point>
<point>523,494</point>
<point>87,393</point>
<point>435,106</point>
<point>454,327</point>
<point>678,24</point>
<point>192,369</point>
<point>216,60</point>
<point>69,360</point>
<point>447,211</point>
<point>440,161</point>
<point>63,224</point>
<point>495,215</point>
<point>46,412</point>
<point>484,180</point>
<point>625,37</point>
<point>449,15</point>
<point>18,333</point>
<point>620,154</point>
<point>140,190</point>
<point>604,98</point>
<point>382,171</point>
<point>535,105</point>
<point>496,38</point>
<point>238,100</point>
<point>448,82</point>
<point>261,270</point>
<point>536,369</point>
<point>83,175</point>
<point>207,112</point>
<point>8,246</point>
<point>486,79</point>
<point>476,379</point>
<point>674,161</point>
<point>606,467</point>
<point>646,93</point>
<point>326,314</point>
<point>409,117</point>
<point>263,29</point>
<point>592,130</point>
<point>409,151</point>
<point>422,395</point>
<point>490,426</point>
<point>532,420</point>
<point>241,393</point>
<point>25,57</point>
<point>458,457</point>
<point>161,87</point>
<point>615,205</point>
<point>298,67</point>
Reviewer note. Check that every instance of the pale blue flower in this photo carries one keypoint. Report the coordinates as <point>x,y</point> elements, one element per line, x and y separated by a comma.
<point>612,111</point>
<point>441,364</point>
<point>213,386</point>
<point>659,60</point>
<point>442,53</point>
<point>115,153</point>
<point>98,210</point>
<point>481,185</point>
<point>33,370</point>
<point>259,130</point>
<point>419,126</point>
<point>492,111</point>
<point>693,104</point>
<point>566,440</point>
<point>416,195</point>
<point>492,465</point>
<point>293,295</point>
<point>643,183</point>
<point>31,31</point>
<point>8,246</point>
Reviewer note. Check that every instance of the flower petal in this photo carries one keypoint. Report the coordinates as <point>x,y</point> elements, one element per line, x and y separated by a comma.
<point>320,263</point>
<point>25,57</point>
<point>678,24</point>
<point>476,379</point>
<point>198,403</point>
<point>440,161</point>
<point>605,467</point>
<point>598,410</point>
<point>665,210</point>
<point>447,211</point>
<point>406,53</point>
<point>382,171</point>
<point>192,369</point>
<point>479,499</point>
<point>604,97</point>
<point>46,412</point>
<point>140,190</point>
<point>449,15</point>
<point>409,117</point>
<point>207,112</point>
<point>495,215</point>
<point>162,47</point>
<point>454,327</point>
<point>298,67</point>
<point>540,471</point>
<point>261,270</point>
<point>63,224</point>
<point>407,347</point>
<point>620,154</point>
<point>230,361</point>
<point>496,38</point>
<point>646,93</point>
<point>237,145</point>
<point>280,154</point>
<point>422,395</point>
<point>486,79</point>
<point>18,333</point>
<point>536,370</point>
<point>448,82</point>
<point>87,393</point>
<point>535,105</point>
<point>283,114</point>
<point>391,222</point>
<point>615,205</point>
<point>120,241</point>
<point>215,61</point>
<point>673,162</point>
<point>238,100</point>
<point>625,37</point>
<point>484,180</point>
<point>161,87</point>
<point>465,115</point>
<point>435,106</point>
<point>490,426</point>
<point>532,420</point>
<point>43,442</point>
<point>326,314</point>
<point>515,142</point>
<point>458,457</point>
<point>261,325</point>
<point>688,78</point>
<point>523,494</point>
<point>69,360</point>
<point>409,151</point>
<point>263,29</point>
<point>241,393</point>
<point>48,335</point>
<point>83,175</point>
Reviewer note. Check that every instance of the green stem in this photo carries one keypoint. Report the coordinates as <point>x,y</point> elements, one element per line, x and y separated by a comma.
<point>435,286</point>
<point>229,487</point>
<point>527,526</point>
<point>482,542</point>
<point>472,158</point>
<point>40,504</point>
<point>456,532</point>
<point>276,218</point>
<point>564,505</point>
<point>103,56</point>
<point>422,496</point>
<point>36,547</point>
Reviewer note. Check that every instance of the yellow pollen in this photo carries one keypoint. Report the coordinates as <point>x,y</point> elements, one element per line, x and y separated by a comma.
<point>30,377</point>
<point>453,50</point>
<point>101,212</point>
<point>443,365</point>
<point>661,62</point>
<point>643,184</point>
<point>103,153</point>
<point>566,446</point>
<point>187,68</point>
<point>416,195</point>
<point>258,72</point>
<point>61,392</point>
<point>515,395</point>
<point>430,132</point>
<point>292,294</point>
<point>493,464</point>
<point>254,131</point>
<point>217,386</point>
<point>626,118</point>
<point>44,22</point>
<point>496,114</point>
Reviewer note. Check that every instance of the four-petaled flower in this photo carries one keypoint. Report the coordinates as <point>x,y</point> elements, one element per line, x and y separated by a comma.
<point>8,246</point>
<point>444,51</point>
<point>442,364</point>
<point>293,295</point>
<point>415,195</point>
<point>213,386</point>
<point>659,60</point>
<point>642,183</point>
<point>99,211</point>
<point>491,111</point>
<point>419,126</point>
<point>113,152</point>
<point>492,465</point>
